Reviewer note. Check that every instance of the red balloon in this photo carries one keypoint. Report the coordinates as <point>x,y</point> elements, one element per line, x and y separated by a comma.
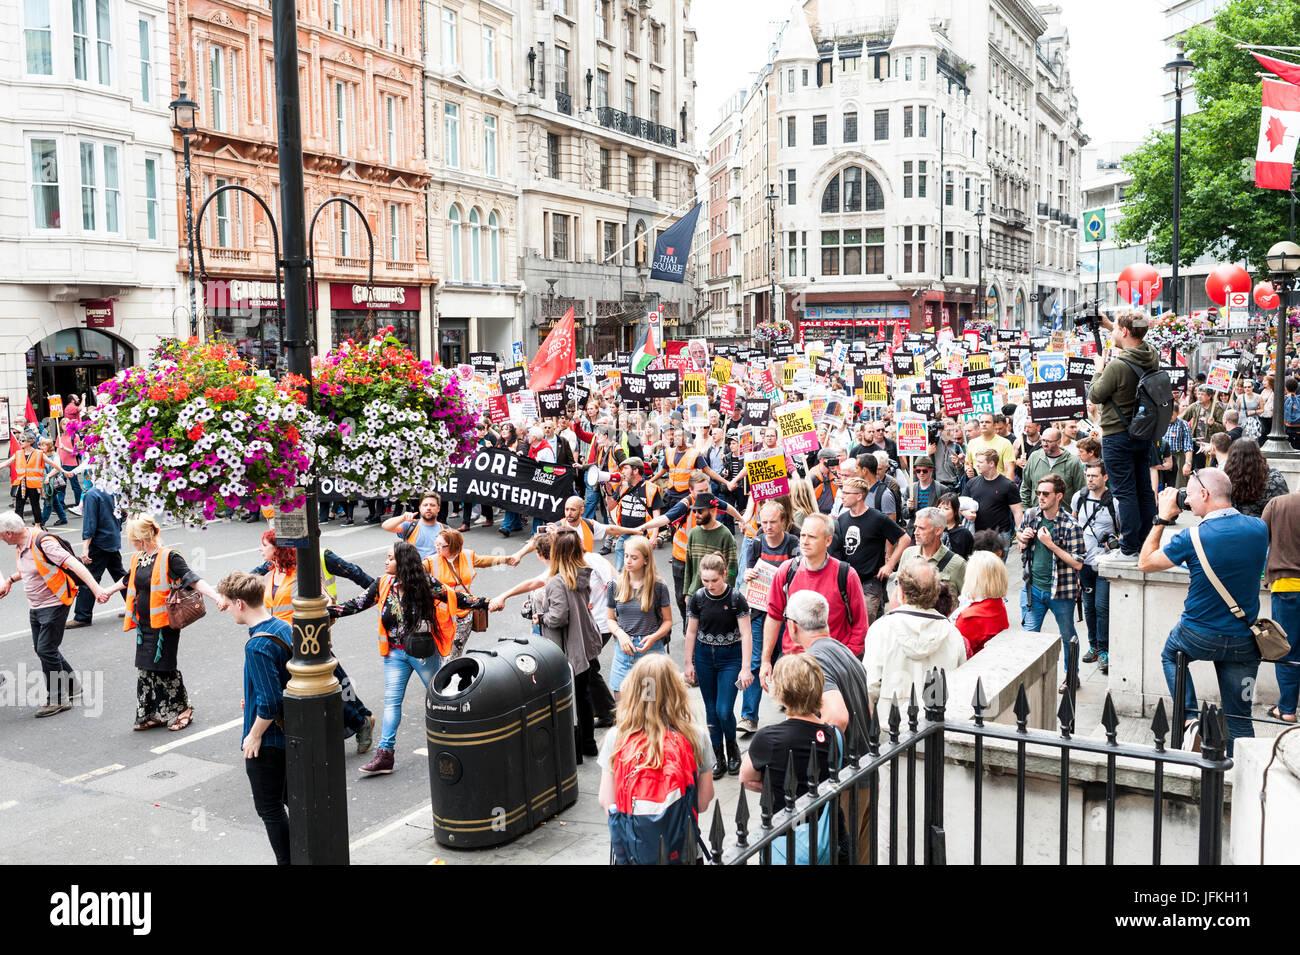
<point>1266,296</point>
<point>1225,279</point>
<point>1139,284</point>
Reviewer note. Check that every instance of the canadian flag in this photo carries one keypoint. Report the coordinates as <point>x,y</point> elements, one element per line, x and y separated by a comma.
<point>556,357</point>
<point>1279,130</point>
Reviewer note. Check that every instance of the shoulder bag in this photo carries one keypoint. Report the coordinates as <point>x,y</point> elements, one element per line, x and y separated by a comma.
<point>478,615</point>
<point>1270,638</point>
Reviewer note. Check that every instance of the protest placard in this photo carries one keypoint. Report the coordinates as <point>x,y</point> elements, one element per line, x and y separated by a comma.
<point>767,474</point>
<point>796,423</point>
<point>693,384</point>
<point>956,396</point>
<point>484,362</point>
<point>663,384</point>
<point>912,437</point>
<point>760,585</point>
<point>757,411</point>
<point>632,388</point>
<point>1219,377</point>
<point>874,389</point>
<point>498,409</point>
<point>727,402</point>
<point>1057,400</point>
<point>722,370</point>
<point>922,404</point>
<point>551,402</point>
<point>1080,368</point>
<point>512,380</point>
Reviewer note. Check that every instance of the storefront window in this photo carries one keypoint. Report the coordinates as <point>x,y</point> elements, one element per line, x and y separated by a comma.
<point>352,324</point>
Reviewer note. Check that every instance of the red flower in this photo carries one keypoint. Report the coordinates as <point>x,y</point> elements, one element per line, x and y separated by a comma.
<point>292,435</point>
<point>157,393</point>
<point>195,432</point>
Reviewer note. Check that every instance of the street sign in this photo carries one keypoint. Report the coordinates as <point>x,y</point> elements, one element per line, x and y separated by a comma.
<point>1094,225</point>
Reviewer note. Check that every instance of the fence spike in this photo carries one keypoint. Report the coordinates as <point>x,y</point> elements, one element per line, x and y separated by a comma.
<point>663,852</point>
<point>717,830</point>
<point>1110,720</point>
<point>873,733</point>
<point>912,710</point>
<point>742,819</point>
<point>1160,725</point>
<point>814,771</point>
<point>791,781</point>
<point>833,755</point>
<point>1065,713</point>
<point>979,701</point>
<point>691,852</point>
<point>895,720</point>
<point>1021,710</point>
<point>766,803</point>
<point>851,740</point>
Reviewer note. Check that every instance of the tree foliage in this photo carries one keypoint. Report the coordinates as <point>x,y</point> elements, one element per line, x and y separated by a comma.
<point>1221,214</point>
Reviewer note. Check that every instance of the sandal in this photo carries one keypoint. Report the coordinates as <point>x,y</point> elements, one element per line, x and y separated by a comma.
<point>1275,714</point>
<point>146,725</point>
<point>183,720</point>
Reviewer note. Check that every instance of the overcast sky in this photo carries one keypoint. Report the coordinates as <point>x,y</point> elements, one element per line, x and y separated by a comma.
<point>1117,52</point>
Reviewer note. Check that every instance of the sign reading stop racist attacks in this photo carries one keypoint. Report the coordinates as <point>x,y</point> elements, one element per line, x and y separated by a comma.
<point>956,396</point>
<point>798,434</point>
<point>501,478</point>
<point>767,474</point>
<point>1056,400</point>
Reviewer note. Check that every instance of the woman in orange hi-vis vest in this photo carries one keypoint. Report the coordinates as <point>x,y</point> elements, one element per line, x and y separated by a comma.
<point>27,475</point>
<point>160,694</point>
<point>417,625</point>
<point>454,567</point>
<point>280,578</point>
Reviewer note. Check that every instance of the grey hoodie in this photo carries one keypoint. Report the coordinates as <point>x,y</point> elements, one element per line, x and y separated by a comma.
<point>1117,381</point>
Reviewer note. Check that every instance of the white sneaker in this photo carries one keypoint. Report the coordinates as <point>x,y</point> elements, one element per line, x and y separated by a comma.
<point>73,509</point>
<point>746,727</point>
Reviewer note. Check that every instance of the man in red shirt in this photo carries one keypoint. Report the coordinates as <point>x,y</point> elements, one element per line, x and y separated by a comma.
<point>816,570</point>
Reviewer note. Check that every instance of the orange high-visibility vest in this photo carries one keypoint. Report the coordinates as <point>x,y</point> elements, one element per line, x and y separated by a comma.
<point>679,473</point>
<point>585,532</point>
<point>160,585</point>
<point>55,577</point>
<point>279,599</point>
<point>824,492</point>
<point>445,615</point>
<point>683,532</point>
<point>29,468</point>
<point>452,577</point>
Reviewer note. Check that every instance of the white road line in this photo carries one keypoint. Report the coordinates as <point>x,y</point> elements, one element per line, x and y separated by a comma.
<point>422,751</point>
<point>93,773</point>
<point>15,635</point>
<point>195,737</point>
<point>8,805</point>
<point>378,834</point>
<point>236,553</point>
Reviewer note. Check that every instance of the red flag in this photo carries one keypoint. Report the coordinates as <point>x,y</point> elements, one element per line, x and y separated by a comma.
<point>1279,130</point>
<point>1279,68</point>
<point>31,412</point>
<point>555,358</point>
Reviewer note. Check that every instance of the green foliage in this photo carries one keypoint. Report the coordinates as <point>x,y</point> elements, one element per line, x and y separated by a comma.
<point>1221,214</point>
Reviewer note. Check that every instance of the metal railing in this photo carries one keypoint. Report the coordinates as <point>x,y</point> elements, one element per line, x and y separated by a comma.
<point>637,126</point>
<point>1181,662</point>
<point>564,102</point>
<point>783,815</point>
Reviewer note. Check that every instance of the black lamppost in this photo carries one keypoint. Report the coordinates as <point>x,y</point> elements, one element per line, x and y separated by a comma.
<point>183,109</point>
<point>772,199</point>
<point>979,225</point>
<point>532,70</point>
<point>1283,262</point>
<point>589,78</point>
<point>1177,67</point>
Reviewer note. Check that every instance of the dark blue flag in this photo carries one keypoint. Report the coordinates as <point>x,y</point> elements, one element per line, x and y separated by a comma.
<point>672,248</point>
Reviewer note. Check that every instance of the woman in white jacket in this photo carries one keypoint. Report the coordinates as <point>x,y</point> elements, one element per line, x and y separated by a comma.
<point>910,640</point>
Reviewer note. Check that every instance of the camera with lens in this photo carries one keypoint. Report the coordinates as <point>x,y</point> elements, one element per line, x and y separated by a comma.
<point>1182,500</point>
<point>1109,542</point>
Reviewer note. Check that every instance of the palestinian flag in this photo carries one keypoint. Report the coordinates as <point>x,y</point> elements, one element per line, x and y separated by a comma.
<point>645,354</point>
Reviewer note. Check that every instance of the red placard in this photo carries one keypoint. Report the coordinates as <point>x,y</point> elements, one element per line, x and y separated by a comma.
<point>727,404</point>
<point>379,297</point>
<point>99,313</point>
<point>498,408</point>
<point>956,396</point>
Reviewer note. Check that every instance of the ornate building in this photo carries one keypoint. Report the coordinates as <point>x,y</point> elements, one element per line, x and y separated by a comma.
<point>362,138</point>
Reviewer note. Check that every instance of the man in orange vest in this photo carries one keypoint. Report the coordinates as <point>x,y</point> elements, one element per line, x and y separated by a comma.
<point>636,502</point>
<point>27,474</point>
<point>46,569</point>
<point>824,485</point>
<point>589,532</point>
<point>678,463</point>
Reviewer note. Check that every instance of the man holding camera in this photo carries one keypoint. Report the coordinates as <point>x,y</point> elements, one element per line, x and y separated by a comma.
<point>1094,510</point>
<point>1051,545</point>
<point>1128,460</point>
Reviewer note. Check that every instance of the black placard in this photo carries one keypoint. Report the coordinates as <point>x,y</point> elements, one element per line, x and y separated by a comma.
<point>922,404</point>
<point>723,350</point>
<point>1008,335</point>
<point>484,362</point>
<point>512,380</point>
<point>822,367</point>
<point>981,380</point>
<point>622,359</point>
<point>1057,400</point>
<point>577,393</point>
<point>758,411</point>
<point>904,366</point>
<point>1177,376</point>
<point>632,388</point>
<point>504,479</point>
<point>1039,343</point>
<point>782,349</point>
<point>550,403</point>
<point>663,383</point>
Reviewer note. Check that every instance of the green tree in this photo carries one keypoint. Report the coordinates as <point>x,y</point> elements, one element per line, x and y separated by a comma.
<point>1221,214</point>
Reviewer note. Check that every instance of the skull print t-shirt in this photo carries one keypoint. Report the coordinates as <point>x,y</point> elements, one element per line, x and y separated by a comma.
<point>861,541</point>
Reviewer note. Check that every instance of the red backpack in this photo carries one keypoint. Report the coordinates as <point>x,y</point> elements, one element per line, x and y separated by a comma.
<point>653,805</point>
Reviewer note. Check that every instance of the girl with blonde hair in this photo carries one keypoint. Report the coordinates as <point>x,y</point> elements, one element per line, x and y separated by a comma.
<point>984,593</point>
<point>639,608</point>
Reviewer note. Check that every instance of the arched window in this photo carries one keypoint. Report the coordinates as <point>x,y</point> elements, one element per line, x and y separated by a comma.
<point>494,248</point>
<point>642,254</point>
<point>475,247</point>
<point>861,192</point>
<point>454,244</point>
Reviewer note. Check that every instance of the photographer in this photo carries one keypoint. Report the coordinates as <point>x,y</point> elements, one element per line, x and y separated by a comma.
<point>949,461</point>
<point>1128,460</point>
<point>1094,509</point>
<point>1051,545</point>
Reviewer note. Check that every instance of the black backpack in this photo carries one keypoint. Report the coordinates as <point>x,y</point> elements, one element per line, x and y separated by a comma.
<point>841,579</point>
<point>1153,404</point>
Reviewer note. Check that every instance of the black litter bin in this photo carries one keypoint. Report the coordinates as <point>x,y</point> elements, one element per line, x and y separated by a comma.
<point>502,756</point>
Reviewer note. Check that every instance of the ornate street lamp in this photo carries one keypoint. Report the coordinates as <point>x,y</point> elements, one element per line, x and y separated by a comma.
<point>979,221</point>
<point>772,199</point>
<point>1283,262</point>
<point>1178,66</point>
<point>183,109</point>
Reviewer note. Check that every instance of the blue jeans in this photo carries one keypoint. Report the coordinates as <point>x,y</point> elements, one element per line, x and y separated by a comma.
<point>398,668</point>
<point>512,521</point>
<point>538,524</point>
<point>1096,608</point>
<point>618,552</point>
<point>753,694</point>
<point>54,500</point>
<point>1127,462</point>
<point>1236,662</point>
<point>591,502</point>
<point>1034,605</point>
<point>1286,611</point>
<point>716,670</point>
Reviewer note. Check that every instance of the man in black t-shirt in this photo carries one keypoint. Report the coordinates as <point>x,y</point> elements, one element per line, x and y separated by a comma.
<point>869,542</point>
<point>997,497</point>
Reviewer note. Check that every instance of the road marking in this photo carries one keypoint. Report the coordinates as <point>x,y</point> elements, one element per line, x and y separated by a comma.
<point>15,635</point>
<point>8,805</point>
<point>93,773</point>
<point>195,737</point>
<point>423,811</point>
<point>422,751</point>
<point>236,553</point>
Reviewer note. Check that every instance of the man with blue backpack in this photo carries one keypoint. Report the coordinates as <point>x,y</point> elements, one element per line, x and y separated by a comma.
<point>1136,402</point>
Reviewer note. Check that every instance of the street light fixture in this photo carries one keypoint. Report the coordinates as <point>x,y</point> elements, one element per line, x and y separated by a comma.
<point>772,199</point>
<point>979,224</point>
<point>183,109</point>
<point>1284,262</point>
<point>1177,66</point>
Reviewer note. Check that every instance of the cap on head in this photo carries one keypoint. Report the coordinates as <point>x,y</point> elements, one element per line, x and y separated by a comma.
<point>705,503</point>
<point>635,463</point>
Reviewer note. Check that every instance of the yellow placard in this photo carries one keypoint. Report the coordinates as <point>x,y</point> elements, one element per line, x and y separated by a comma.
<point>874,388</point>
<point>795,419</point>
<point>722,370</point>
<point>1015,381</point>
<point>978,362</point>
<point>693,384</point>
<point>787,374</point>
<point>56,406</point>
<point>766,467</point>
<point>918,365</point>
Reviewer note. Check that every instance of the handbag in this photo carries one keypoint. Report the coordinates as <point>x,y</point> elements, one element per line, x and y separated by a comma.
<point>480,622</point>
<point>184,606</point>
<point>1270,638</point>
<point>420,645</point>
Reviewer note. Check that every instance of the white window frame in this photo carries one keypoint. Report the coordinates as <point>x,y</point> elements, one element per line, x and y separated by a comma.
<point>145,29</point>
<point>152,188</point>
<point>454,243</point>
<point>31,33</point>
<point>451,134</point>
<point>217,86</point>
<point>229,202</point>
<point>345,230</point>
<point>448,37</point>
<point>395,221</point>
<point>103,187</point>
<point>475,246</point>
<point>391,116</point>
<point>490,144</point>
<point>489,52</point>
<point>494,247</point>
<point>33,183</point>
<point>341,117</point>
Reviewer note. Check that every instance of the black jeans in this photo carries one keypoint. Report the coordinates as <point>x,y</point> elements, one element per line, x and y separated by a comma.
<point>679,589</point>
<point>270,785</point>
<point>47,634</point>
<point>602,701</point>
<point>100,560</point>
<point>585,729</point>
<point>32,496</point>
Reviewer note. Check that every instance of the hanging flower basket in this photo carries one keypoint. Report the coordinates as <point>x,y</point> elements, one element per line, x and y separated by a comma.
<point>196,430</point>
<point>394,425</point>
<point>779,330</point>
<point>1180,334</point>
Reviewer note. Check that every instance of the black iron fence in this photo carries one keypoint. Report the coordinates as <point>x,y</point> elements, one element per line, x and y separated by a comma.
<point>789,818</point>
<point>638,126</point>
<point>1181,663</point>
